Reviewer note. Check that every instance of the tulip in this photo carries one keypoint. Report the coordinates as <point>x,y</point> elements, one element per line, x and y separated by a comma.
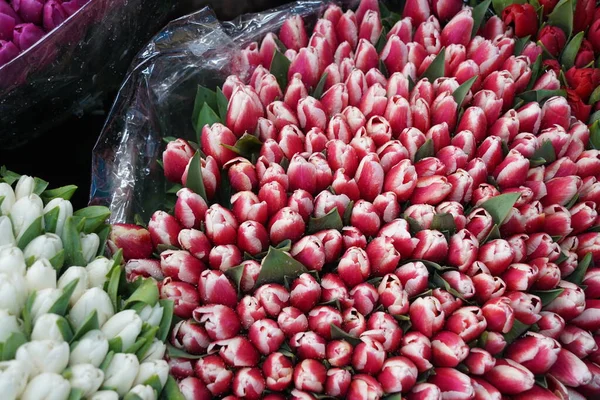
<point>589,318</point>
<point>12,260</point>
<point>125,325</point>
<point>426,315</point>
<point>13,378</point>
<point>364,297</point>
<point>7,237</point>
<point>306,63</point>
<point>13,290</point>
<point>266,336</point>
<point>479,361</point>
<point>310,375</point>
<point>91,348</point>
<point>212,372</point>
<point>424,391</point>
<point>570,370</point>
<point>121,372</point>
<point>86,378</point>
<point>293,34</point>
<point>149,369</point>
<point>44,356</point>
<point>10,325</point>
<point>8,51</point>
<point>24,212</point>
<point>47,386</point>
<point>175,158</point>
<point>65,210</point>
<point>448,349</point>
<point>308,344</point>
<point>277,370</point>
<point>92,299</point>
<point>452,382</point>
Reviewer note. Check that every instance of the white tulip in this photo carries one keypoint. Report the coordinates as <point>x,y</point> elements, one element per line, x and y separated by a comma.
<point>89,246</point>
<point>148,369</point>
<point>13,293</point>
<point>98,270</point>
<point>41,275</point>
<point>47,386</point>
<point>13,379</point>
<point>8,193</point>
<point>144,392</point>
<point>121,372</point>
<point>156,351</point>
<point>7,237</point>
<point>93,299</point>
<point>44,246</point>
<point>71,274</point>
<point>87,378</point>
<point>44,356</point>
<point>44,300</point>
<point>65,210</point>
<point>46,328</point>
<point>152,315</point>
<point>105,395</point>
<point>9,324</point>
<point>24,212</point>
<point>25,186</point>
<point>126,325</point>
<point>90,349</point>
<point>12,260</point>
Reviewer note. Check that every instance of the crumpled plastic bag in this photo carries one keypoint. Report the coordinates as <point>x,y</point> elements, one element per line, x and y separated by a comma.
<point>157,99</point>
<point>71,68</point>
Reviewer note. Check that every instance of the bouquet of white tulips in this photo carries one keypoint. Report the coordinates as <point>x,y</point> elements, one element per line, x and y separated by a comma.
<point>71,327</point>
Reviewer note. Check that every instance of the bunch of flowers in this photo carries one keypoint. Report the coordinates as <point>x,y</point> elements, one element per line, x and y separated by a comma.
<point>396,205</point>
<point>24,22</point>
<point>65,332</point>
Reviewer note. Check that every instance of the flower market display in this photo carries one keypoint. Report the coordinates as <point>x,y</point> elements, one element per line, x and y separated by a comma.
<point>70,328</point>
<point>389,205</point>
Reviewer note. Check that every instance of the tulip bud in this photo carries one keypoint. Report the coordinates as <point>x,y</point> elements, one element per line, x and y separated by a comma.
<point>47,386</point>
<point>426,315</point>
<point>570,370</point>
<point>293,34</point>
<point>292,321</point>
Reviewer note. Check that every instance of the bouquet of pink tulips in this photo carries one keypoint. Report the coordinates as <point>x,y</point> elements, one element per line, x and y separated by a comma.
<point>401,204</point>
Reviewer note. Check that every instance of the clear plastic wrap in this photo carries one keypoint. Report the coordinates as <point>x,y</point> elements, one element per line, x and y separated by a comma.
<point>157,98</point>
<point>71,68</point>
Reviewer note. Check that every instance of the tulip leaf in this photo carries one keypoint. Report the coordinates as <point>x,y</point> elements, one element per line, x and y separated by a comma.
<point>132,396</point>
<point>63,192</point>
<point>478,15</point>
<point>443,222</point>
<point>75,394</point>
<point>174,352</point>
<point>276,265</point>
<point>107,360</point>
<point>34,230</point>
<point>595,135</point>
<point>224,192</point>
<point>136,346</point>
<point>536,69</point>
<point>39,185</point>
<point>235,274</point>
<point>595,96</point>
<point>517,330</point>
<point>540,380</point>
<point>113,285</point>
<point>577,276</point>
<point>424,376</point>
<point>280,65</point>
<point>543,155</point>
<point>413,225</point>
<point>331,220</point>
<point>339,333</point>
<point>542,95</point>
<point>437,67</point>
<point>26,313</point>
<point>11,344</point>
<point>171,390</point>
<point>102,236</point>
<point>62,303</point>
<point>248,146</point>
<point>146,293</point>
<point>381,41</point>
<point>500,5</point>
<point>95,217</point>
<point>203,96</point>
<point>9,176</point>
<point>91,323</point>
<point>51,220</point>
<point>461,92</point>
<point>383,69</point>
<point>500,206</point>
<point>222,104</point>
<point>547,296</point>
<point>318,90</point>
<point>72,242</point>
<point>115,344</point>
<point>570,52</point>
<point>194,178</point>
<point>207,116</point>
<point>572,202</point>
<point>148,338</point>
<point>431,266</point>
<point>154,382</point>
<point>441,283</point>
<point>65,329</point>
<point>493,235</point>
<point>167,319</point>
<point>520,44</point>
<point>426,150</point>
<point>562,16</point>
<point>348,213</point>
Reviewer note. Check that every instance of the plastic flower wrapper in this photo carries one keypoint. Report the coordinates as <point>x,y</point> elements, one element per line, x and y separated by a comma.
<point>67,312</point>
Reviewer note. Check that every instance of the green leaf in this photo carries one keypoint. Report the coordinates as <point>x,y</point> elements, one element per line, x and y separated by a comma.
<point>115,344</point>
<point>276,265</point>
<point>440,282</point>
<point>154,382</point>
<point>280,65</point>
<point>338,333</point>
<point>413,225</point>
<point>26,314</point>
<point>203,96</point>
<point>72,242</point>
<point>34,230</point>
<point>222,104</point>
<point>207,116</point>
<point>437,67</point>
<point>539,96</point>
<point>572,202</point>
<point>381,41</point>
<point>562,16</point>
<point>540,380</point>
<point>95,217</point>
<point>132,396</point>
<point>520,44</point>
<point>178,353</point>
<point>331,220</point>
<point>9,176</point>
<point>318,91</point>
<point>536,69</point>
<point>65,329</point>
<point>104,365</point>
<point>478,15</point>
<point>517,330</point>
<point>500,5</point>
<point>383,69</point>
<point>11,344</point>
<point>51,219</point>
<point>169,139</point>
<point>577,276</point>
<point>75,394</point>
<point>543,155</point>
<point>64,192</point>
<point>235,274</point>
<point>570,52</point>
<point>461,92</point>
<point>595,96</point>
<point>146,293</point>
<point>148,338</point>
<point>348,213</point>
<point>113,285</point>
<point>500,206</point>
<point>547,295</point>
<point>39,185</point>
<point>443,222</point>
<point>493,235</point>
<point>91,323</point>
<point>62,303</point>
<point>194,178</point>
<point>426,150</point>
<point>103,237</point>
<point>595,135</point>
<point>171,390</point>
<point>247,146</point>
